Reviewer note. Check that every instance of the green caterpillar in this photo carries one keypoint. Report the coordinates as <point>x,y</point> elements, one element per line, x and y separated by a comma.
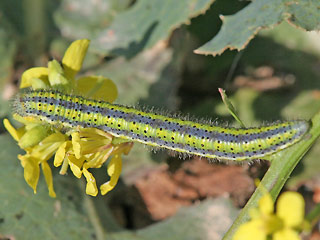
<point>226,143</point>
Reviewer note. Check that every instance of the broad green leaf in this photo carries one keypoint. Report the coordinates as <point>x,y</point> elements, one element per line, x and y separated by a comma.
<point>305,14</point>
<point>238,29</point>
<point>25,215</point>
<point>293,38</point>
<point>207,220</point>
<point>83,19</point>
<point>145,23</point>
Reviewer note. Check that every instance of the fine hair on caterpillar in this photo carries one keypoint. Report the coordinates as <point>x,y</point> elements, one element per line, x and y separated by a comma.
<point>66,111</point>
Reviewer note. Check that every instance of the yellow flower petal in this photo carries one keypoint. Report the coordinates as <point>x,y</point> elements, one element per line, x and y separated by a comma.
<point>91,188</point>
<point>76,144</point>
<point>127,148</point>
<point>123,148</point>
<point>99,158</point>
<point>60,154</point>
<point>97,87</point>
<point>252,230</point>
<point>114,171</point>
<point>76,165</point>
<point>15,133</point>
<point>93,132</point>
<point>74,56</point>
<point>33,136</point>
<point>286,234</point>
<point>47,147</point>
<point>92,140</point>
<point>55,137</point>
<point>28,121</point>
<point>64,167</point>
<point>266,204</point>
<point>48,176</point>
<point>38,83</point>
<point>31,170</point>
<point>290,208</point>
<point>115,165</point>
<point>57,76</point>
<point>37,72</point>
<point>272,223</point>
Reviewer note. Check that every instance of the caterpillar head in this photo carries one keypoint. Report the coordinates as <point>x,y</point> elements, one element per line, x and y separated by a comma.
<point>23,106</point>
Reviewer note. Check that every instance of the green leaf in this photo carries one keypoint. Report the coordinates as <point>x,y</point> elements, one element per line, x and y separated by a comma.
<point>305,14</point>
<point>82,18</point>
<point>244,101</point>
<point>145,23</point>
<point>238,29</point>
<point>230,107</point>
<point>24,215</point>
<point>206,221</point>
<point>293,38</point>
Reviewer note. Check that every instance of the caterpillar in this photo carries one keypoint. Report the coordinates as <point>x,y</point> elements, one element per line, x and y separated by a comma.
<point>226,143</point>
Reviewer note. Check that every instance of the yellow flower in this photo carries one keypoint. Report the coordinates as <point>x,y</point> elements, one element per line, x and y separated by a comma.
<point>91,148</point>
<point>80,149</point>
<point>285,224</point>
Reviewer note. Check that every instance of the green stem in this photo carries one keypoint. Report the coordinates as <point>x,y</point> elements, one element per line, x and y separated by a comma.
<point>314,216</point>
<point>99,214</point>
<point>35,21</point>
<point>92,214</point>
<point>281,167</point>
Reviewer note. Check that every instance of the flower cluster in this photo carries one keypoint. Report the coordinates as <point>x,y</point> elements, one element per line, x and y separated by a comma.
<point>79,149</point>
<point>285,224</point>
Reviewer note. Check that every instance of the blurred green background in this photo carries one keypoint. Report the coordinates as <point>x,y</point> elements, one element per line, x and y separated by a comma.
<point>147,49</point>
